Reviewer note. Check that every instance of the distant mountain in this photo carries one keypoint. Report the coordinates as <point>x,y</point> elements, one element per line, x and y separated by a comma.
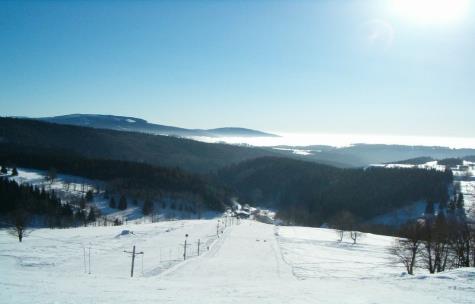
<point>361,155</point>
<point>190,155</point>
<point>125,123</point>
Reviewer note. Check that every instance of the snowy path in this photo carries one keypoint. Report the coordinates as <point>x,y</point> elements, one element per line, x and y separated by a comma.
<point>245,265</point>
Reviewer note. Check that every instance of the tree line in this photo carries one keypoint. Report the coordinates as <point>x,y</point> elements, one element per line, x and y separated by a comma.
<point>436,243</point>
<point>24,205</point>
<point>132,179</point>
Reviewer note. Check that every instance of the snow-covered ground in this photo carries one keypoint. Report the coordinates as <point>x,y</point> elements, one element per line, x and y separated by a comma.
<point>250,263</point>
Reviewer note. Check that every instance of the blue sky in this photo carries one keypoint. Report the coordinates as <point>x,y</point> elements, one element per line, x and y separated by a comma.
<point>289,66</point>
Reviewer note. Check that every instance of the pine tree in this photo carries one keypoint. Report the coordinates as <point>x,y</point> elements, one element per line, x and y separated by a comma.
<point>82,203</point>
<point>4,170</point>
<point>429,208</point>
<point>14,172</point>
<point>89,196</point>
<point>460,201</point>
<point>91,216</point>
<point>147,207</point>
<point>112,203</point>
<point>79,216</point>
<point>122,203</point>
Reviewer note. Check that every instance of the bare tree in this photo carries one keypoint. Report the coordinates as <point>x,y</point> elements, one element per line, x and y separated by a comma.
<point>340,233</point>
<point>460,243</point>
<point>408,246</point>
<point>19,224</point>
<point>355,235</point>
<point>342,222</point>
<point>436,244</point>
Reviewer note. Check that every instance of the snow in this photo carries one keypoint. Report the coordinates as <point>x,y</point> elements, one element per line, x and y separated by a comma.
<point>130,120</point>
<point>250,263</point>
<point>296,151</point>
<point>429,165</point>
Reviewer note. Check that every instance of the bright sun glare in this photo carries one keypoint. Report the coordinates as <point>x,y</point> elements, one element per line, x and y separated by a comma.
<point>431,11</point>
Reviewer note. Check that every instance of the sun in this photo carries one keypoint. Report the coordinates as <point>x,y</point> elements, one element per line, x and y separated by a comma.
<point>431,11</point>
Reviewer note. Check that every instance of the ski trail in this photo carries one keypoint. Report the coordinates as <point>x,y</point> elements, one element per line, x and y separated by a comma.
<point>249,249</point>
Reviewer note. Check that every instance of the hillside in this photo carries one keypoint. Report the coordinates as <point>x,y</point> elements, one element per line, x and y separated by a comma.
<point>130,146</point>
<point>249,263</point>
<point>312,194</point>
<point>360,155</point>
<point>124,123</point>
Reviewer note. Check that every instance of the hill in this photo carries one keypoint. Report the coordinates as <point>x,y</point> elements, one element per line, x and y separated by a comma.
<point>312,194</point>
<point>360,155</point>
<point>250,263</point>
<point>124,123</point>
<point>159,150</point>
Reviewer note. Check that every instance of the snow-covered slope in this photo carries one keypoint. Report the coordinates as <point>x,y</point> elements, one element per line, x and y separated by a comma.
<point>250,263</point>
<point>70,187</point>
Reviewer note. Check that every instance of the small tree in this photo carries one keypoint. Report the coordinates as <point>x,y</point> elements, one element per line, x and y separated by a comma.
<point>122,203</point>
<point>112,203</point>
<point>355,235</point>
<point>14,171</point>
<point>343,222</point>
<point>340,233</point>
<point>4,170</point>
<point>19,223</point>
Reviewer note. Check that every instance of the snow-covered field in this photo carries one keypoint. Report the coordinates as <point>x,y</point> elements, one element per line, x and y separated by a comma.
<point>250,263</point>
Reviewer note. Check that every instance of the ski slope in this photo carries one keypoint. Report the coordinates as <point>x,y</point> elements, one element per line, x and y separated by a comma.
<point>249,263</point>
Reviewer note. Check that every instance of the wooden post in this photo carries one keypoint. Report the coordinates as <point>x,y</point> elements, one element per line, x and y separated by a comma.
<point>133,260</point>
<point>198,247</point>
<point>184,251</point>
<point>84,251</point>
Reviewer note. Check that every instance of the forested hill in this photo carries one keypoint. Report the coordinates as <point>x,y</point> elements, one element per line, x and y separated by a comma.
<point>311,194</point>
<point>167,151</point>
<point>138,180</point>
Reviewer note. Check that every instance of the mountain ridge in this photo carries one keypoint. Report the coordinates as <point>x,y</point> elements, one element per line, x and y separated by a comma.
<point>134,124</point>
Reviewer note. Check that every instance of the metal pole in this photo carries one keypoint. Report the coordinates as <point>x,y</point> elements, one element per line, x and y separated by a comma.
<point>199,247</point>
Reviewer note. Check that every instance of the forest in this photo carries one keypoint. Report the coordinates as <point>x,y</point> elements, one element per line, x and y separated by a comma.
<point>312,194</point>
<point>138,180</point>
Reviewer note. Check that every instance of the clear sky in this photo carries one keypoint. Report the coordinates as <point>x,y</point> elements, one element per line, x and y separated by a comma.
<point>371,67</point>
